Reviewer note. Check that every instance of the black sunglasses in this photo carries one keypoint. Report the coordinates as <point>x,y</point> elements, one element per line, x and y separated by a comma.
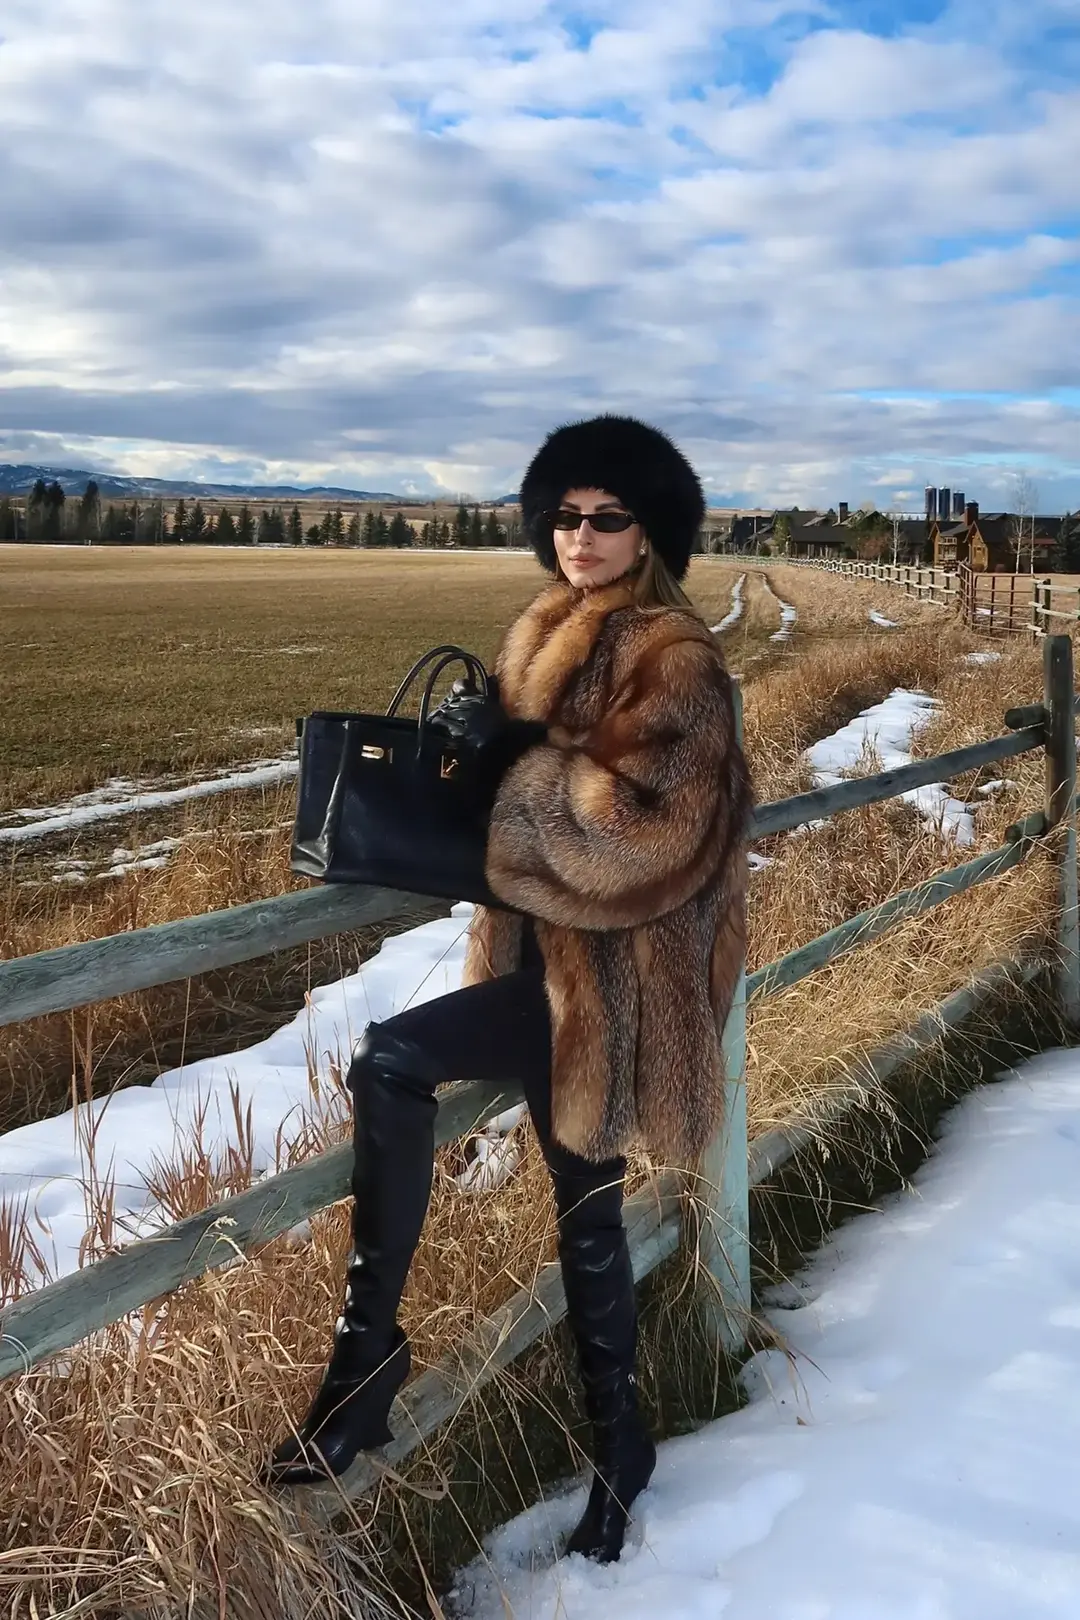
<point>602,522</point>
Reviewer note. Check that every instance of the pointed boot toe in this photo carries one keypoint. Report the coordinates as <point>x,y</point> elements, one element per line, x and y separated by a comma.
<point>348,1415</point>
<point>617,1484</point>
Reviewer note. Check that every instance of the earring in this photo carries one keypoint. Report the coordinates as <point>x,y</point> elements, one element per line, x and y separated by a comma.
<point>643,548</point>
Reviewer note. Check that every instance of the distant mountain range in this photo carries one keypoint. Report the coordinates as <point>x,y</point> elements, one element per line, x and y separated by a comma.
<point>20,480</point>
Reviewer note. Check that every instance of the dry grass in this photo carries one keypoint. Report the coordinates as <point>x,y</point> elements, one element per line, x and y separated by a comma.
<point>141,662</point>
<point>834,603</point>
<point>129,1481</point>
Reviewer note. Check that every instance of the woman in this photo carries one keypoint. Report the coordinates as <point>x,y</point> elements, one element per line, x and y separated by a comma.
<point>617,837</point>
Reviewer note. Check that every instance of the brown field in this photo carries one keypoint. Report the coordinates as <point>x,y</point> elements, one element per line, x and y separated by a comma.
<point>129,1485</point>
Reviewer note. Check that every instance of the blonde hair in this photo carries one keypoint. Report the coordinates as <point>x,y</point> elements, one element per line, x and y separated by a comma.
<point>656,586</point>
<point>652,584</point>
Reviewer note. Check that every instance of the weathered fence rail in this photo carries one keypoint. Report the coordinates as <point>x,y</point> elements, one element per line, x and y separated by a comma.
<point>992,603</point>
<point>59,1315</point>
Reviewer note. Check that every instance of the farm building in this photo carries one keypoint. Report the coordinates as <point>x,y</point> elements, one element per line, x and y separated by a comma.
<point>987,541</point>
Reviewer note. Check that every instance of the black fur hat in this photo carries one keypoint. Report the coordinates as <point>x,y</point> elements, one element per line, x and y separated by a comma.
<point>632,461</point>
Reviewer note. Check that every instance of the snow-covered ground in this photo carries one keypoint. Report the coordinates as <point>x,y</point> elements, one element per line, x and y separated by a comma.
<point>788,614</point>
<point>918,1458</point>
<point>46,1166</point>
<point>124,797</point>
<point>881,621</point>
<point>736,608</point>
<point>887,729</point>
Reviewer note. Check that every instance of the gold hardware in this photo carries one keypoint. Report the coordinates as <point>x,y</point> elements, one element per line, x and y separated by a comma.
<point>369,751</point>
<point>448,767</point>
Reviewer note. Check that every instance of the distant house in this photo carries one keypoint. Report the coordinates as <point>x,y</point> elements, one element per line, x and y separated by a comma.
<point>751,530</point>
<point>987,541</point>
<point>817,539</point>
<point>810,534</point>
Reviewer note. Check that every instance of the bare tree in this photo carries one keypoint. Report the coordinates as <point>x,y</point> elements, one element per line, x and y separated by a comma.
<point>1025,497</point>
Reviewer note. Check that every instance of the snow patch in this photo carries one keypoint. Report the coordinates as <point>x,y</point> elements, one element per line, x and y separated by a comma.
<point>1003,785</point>
<point>981,657</point>
<point>919,1458</point>
<point>788,614</point>
<point>736,608</point>
<point>46,1165</point>
<point>881,621</point>
<point>497,1153</point>
<point>124,797</point>
<point>887,730</point>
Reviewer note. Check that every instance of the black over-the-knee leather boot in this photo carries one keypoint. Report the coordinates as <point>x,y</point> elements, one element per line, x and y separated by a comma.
<point>602,1311</point>
<point>393,1086</point>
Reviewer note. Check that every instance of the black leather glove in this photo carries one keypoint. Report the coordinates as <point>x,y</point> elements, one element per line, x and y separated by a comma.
<point>485,734</point>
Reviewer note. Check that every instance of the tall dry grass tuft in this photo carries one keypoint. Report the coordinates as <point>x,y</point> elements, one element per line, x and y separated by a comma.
<point>128,1479</point>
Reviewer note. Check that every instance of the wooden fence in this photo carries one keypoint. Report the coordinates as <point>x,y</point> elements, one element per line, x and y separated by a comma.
<point>63,1313</point>
<point>992,604</point>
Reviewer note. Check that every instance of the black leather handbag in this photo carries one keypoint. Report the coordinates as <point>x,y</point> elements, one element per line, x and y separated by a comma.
<point>400,803</point>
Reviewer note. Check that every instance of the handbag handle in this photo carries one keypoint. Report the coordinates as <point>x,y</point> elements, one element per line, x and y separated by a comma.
<point>449,654</point>
<point>446,656</point>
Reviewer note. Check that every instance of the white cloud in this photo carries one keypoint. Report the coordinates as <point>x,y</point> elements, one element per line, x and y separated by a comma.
<point>392,244</point>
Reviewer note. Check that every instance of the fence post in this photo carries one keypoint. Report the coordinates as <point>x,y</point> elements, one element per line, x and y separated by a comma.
<point>1061,814</point>
<point>723,1192</point>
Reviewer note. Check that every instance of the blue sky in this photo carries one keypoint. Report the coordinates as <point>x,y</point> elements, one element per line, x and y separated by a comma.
<point>832,247</point>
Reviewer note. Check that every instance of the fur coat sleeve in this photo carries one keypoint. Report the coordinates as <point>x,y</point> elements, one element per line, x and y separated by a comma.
<point>629,809</point>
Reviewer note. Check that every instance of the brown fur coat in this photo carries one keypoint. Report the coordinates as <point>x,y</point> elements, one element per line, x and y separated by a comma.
<point>623,836</point>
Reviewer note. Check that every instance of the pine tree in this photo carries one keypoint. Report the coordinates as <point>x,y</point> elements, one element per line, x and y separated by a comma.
<point>111,526</point>
<point>369,528</point>
<point>313,535</point>
<point>50,512</point>
<point>225,533</point>
<point>352,537</point>
<point>35,511</point>
<point>382,530</point>
<point>492,532</point>
<point>425,534</point>
<point>196,525</point>
<point>461,526</point>
<point>245,528</point>
<point>476,528</point>
<point>335,527</point>
<point>9,522</point>
<point>296,527</point>
<point>151,524</point>
<point>88,523</point>
<point>179,522</point>
<point>400,530</point>
<point>271,526</point>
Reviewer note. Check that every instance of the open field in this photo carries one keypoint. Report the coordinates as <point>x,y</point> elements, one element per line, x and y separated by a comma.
<point>125,662</point>
<point>130,1483</point>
